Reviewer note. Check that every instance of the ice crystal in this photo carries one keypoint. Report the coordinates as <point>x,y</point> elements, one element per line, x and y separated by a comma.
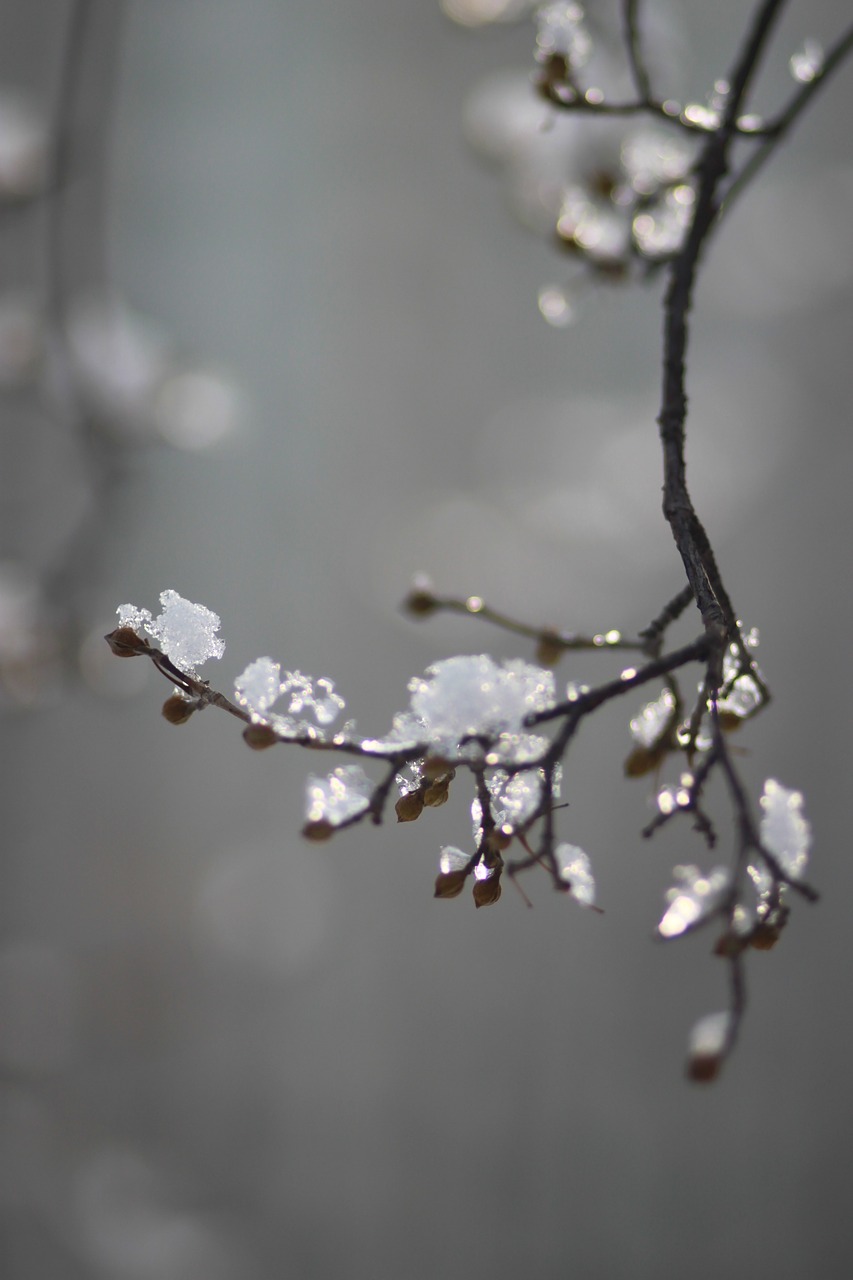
<point>692,899</point>
<point>263,683</point>
<point>574,868</point>
<point>341,795</point>
<point>784,831</point>
<point>468,702</point>
<point>185,631</point>
<point>743,696</point>
<point>514,799</point>
<point>259,686</point>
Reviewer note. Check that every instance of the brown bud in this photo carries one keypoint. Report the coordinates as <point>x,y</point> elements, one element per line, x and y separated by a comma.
<point>409,807</point>
<point>549,650</point>
<point>435,767</point>
<point>729,722</point>
<point>438,793</point>
<point>702,1068</point>
<point>553,76</point>
<point>177,709</point>
<point>643,760</point>
<point>125,643</point>
<point>318,830</point>
<point>498,839</point>
<point>450,884</point>
<point>487,892</point>
<point>260,736</point>
<point>764,937</point>
<point>420,602</point>
<point>730,944</point>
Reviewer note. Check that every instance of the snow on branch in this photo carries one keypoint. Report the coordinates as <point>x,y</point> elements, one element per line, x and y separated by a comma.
<point>641,202</point>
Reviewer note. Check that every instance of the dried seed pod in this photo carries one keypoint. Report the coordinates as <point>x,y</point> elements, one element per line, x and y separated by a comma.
<point>260,736</point>
<point>177,709</point>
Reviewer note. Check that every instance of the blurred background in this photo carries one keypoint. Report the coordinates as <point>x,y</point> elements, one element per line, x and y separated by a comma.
<point>272,335</point>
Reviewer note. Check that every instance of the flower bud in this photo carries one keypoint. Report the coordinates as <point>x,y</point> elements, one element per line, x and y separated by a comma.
<point>420,602</point>
<point>438,793</point>
<point>319,830</point>
<point>643,760</point>
<point>409,807</point>
<point>487,892</point>
<point>764,936</point>
<point>449,884</point>
<point>550,649</point>
<point>125,643</point>
<point>703,1068</point>
<point>259,736</point>
<point>177,709</point>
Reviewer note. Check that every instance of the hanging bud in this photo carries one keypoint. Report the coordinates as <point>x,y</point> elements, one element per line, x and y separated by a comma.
<point>731,944</point>
<point>487,892</point>
<point>319,830</point>
<point>259,736</point>
<point>125,643</point>
<point>710,1040</point>
<point>703,1068</point>
<point>438,793</point>
<point>643,760</point>
<point>552,82</point>
<point>498,839</point>
<point>420,602</point>
<point>729,721</point>
<point>177,709</point>
<point>410,806</point>
<point>449,884</point>
<point>765,936</point>
<point>436,767</point>
<point>550,649</point>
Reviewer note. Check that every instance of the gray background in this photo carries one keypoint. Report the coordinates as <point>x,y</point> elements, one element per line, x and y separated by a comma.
<point>231,1055</point>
